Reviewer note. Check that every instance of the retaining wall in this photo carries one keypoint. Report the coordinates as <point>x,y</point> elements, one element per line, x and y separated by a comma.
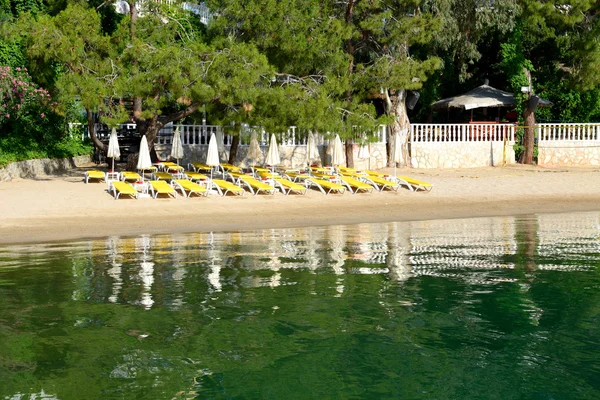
<point>461,154</point>
<point>564,153</point>
<point>32,169</point>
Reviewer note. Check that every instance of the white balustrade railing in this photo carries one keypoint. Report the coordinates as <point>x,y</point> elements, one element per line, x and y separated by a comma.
<point>190,134</point>
<point>573,131</point>
<point>200,135</point>
<point>462,132</point>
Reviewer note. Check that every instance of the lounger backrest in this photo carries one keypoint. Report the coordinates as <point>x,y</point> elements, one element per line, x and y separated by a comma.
<point>227,185</point>
<point>327,184</point>
<point>290,184</point>
<point>255,183</point>
<point>162,187</point>
<point>124,187</point>
<point>190,185</point>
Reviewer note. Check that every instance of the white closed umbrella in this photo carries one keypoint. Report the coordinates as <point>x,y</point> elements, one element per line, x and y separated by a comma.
<point>144,161</point>
<point>254,151</point>
<point>329,151</point>
<point>397,151</point>
<point>311,148</point>
<point>273,154</point>
<point>220,140</point>
<point>337,154</point>
<point>113,148</point>
<point>177,146</point>
<point>212,156</point>
<point>364,152</point>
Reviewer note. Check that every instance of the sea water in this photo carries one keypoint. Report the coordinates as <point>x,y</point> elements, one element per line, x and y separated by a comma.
<point>486,308</point>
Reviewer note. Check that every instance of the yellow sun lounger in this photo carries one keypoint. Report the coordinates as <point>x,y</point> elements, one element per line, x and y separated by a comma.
<point>174,168</point>
<point>381,183</point>
<point>94,174</point>
<point>199,167</point>
<point>119,188</point>
<point>256,170</point>
<point>414,184</point>
<point>297,176</point>
<point>162,176</point>
<point>224,187</point>
<point>354,185</point>
<point>325,186</point>
<point>254,185</point>
<point>285,184</point>
<point>195,176</point>
<point>188,188</point>
<point>130,176</point>
<point>230,168</point>
<point>162,187</point>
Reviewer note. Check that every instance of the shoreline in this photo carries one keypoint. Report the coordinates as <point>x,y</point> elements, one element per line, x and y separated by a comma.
<point>63,208</point>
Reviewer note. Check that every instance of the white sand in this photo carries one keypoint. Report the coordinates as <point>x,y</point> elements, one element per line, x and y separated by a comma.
<point>64,208</point>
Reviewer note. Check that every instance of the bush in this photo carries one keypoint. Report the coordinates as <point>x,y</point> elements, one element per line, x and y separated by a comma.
<point>28,126</point>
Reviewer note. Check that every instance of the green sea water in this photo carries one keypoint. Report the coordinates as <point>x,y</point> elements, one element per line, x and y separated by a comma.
<point>487,308</point>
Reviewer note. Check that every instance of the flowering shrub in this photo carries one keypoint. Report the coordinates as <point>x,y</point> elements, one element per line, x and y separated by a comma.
<point>18,93</point>
<point>28,126</point>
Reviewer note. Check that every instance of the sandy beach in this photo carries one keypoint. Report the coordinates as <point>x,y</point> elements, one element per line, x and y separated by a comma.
<point>62,207</point>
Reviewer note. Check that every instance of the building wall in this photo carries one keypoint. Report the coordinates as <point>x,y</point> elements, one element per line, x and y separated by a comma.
<point>564,153</point>
<point>461,154</point>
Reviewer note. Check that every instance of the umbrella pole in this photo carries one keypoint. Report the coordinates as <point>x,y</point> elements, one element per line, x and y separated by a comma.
<point>113,165</point>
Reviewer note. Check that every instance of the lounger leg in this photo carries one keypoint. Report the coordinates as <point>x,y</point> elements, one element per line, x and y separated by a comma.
<point>321,189</point>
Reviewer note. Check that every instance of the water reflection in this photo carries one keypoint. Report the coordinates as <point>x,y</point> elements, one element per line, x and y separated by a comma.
<point>149,269</point>
<point>395,310</point>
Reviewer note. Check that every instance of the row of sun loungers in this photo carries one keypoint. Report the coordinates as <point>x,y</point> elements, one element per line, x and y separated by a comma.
<point>169,178</point>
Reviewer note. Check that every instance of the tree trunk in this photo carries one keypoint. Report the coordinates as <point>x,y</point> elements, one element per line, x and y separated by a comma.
<point>528,136</point>
<point>349,147</point>
<point>132,161</point>
<point>133,14</point>
<point>92,132</point>
<point>397,109</point>
<point>233,149</point>
<point>529,120</point>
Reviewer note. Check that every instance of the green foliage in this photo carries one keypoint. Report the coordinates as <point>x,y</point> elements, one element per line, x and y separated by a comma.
<point>514,65</point>
<point>11,54</point>
<point>20,7</point>
<point>29,128</point>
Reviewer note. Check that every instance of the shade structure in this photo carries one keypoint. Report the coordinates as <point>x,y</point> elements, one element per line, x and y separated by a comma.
<point>254,151</point>
<point>113,147</point>
<point>177,146</point>
<point>212,156</point>
<point>144,161</point>
<point>273,153</point>
<point>337,153</point>
<point>312,151</point>
<point>482,96</point>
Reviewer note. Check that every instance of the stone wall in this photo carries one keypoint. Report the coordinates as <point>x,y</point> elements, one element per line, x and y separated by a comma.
<point>460,154</point>
<point>563,153</point>
<point>291,156</point>
<point>32,169</point>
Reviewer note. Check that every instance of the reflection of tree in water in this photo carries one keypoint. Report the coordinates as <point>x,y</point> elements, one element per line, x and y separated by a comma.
<point>467,320</point>
<point>115,270</point>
